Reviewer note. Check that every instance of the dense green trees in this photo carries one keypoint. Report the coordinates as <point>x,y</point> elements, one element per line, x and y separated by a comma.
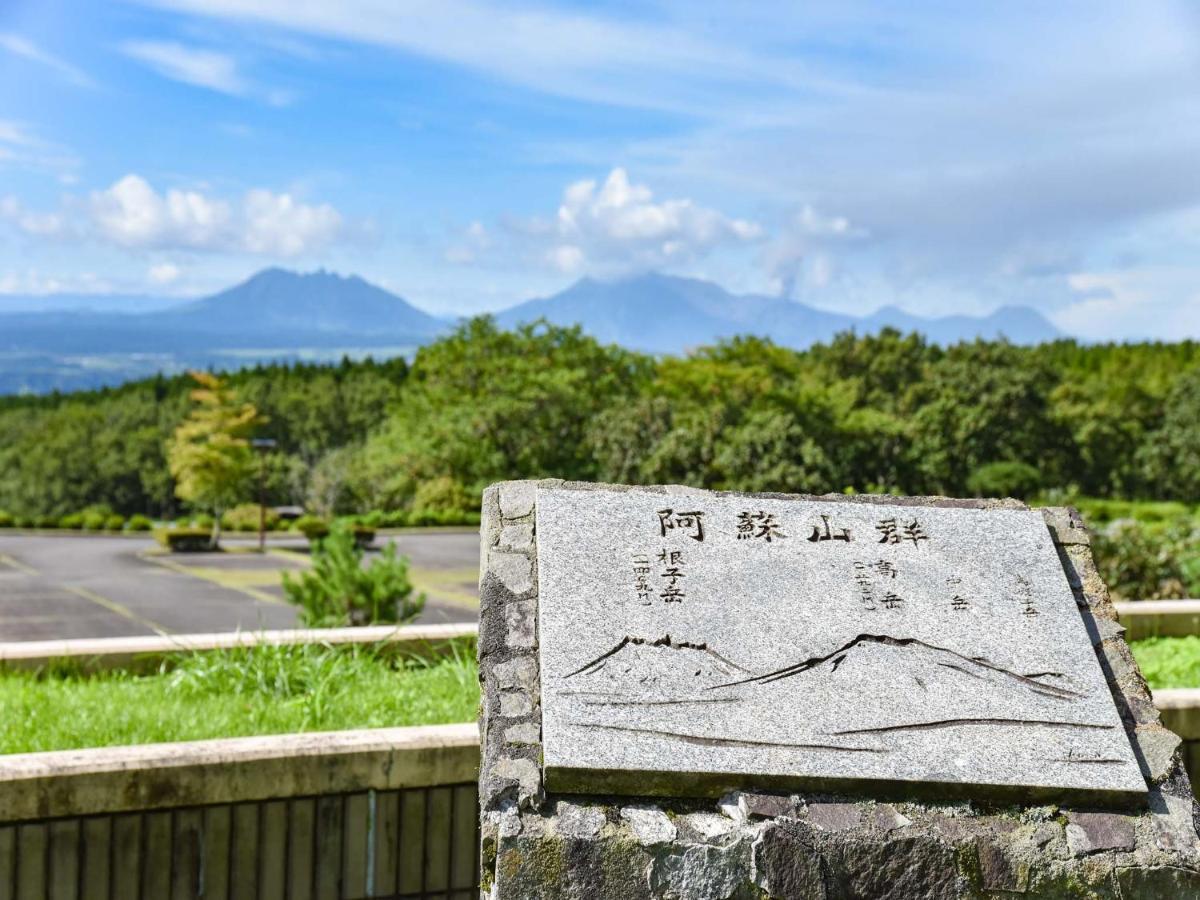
<point>887,412</point>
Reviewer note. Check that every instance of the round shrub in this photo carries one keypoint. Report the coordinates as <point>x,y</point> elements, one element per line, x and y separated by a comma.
<point>6,520</point>
<point>202,520</point>
<point>443,495</point>
<point>312,527</point>
<point>24,521</point>
<point>1005,479</point>
<point>94,521</point>
<point>138,522</point>
<point>114,522</point>
<point>73,521</point>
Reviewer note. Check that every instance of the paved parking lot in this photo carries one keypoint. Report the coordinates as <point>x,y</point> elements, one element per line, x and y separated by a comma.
<point>66,586</point>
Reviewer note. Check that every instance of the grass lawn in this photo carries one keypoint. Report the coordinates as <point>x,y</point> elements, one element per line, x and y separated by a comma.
<point>1170,662</point>
<point>232,693</point>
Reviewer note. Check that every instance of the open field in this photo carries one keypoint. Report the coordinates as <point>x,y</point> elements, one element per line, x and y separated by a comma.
<point>80,586</point>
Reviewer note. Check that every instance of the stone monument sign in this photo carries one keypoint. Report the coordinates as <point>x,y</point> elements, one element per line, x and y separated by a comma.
<point>693,645</point>
<point>720,696</point>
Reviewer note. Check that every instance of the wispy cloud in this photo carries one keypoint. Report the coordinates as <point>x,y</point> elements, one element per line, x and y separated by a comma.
<point>27,49</point>
<point>650,62</point>
<point>204,68</point>
<point>22,147</point>
<point>191,65</point>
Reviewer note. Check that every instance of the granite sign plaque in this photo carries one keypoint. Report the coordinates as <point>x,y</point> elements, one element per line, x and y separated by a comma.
<point>691,643</point>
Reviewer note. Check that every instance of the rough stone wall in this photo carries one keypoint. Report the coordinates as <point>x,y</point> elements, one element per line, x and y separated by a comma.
<point>801,846</point>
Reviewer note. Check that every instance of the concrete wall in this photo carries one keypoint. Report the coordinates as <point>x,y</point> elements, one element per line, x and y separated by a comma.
<point>1159,618</point>
<point>356,814</point>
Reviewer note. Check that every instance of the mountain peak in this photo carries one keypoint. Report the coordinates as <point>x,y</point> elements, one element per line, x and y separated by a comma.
<point>276,300</point>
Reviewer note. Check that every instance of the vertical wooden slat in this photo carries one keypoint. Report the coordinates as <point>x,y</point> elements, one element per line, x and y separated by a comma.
<point>95,857</point>
<point>437,839</point>
<point>272,850</point>
<point>187,849</point>
<point>156,865</point>
<point>244,882</point>
<point>462,873</point>
<point>354,849</point>
<point>126,857</point>
<point>329,848</point>
<point>301,875</point>
<point>411,862</point>
<point>215,853</point>
<point>32,855</point>
<point>387,821</point>
<point>8,863</point>
<point>63,872</point>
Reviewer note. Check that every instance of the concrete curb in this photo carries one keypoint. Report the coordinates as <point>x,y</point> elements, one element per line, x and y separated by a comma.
<point>145,651</point>
<point>1159,618</point>
<point>232,770</point>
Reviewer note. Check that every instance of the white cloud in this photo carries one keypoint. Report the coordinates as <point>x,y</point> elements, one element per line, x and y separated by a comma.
<point>1149,302</point>
<point>474,241</point>
<point>163,273</point>
<point>27,49</point>
<point>277,224</point>
<point>191,65</point>
<point>619,225</point>
<point>35,224</point>
<point>31,281</point>
<point>131,213</point>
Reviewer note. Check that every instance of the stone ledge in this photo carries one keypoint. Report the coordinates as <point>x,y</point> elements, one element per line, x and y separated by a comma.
<point>194,773</point>
<point>122,652</point>
<point>1159,618</point>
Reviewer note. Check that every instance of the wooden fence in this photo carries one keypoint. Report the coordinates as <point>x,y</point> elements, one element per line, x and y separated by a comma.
<point>385,813</point>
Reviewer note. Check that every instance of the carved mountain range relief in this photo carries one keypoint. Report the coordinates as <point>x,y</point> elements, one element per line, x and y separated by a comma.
<point>945,689</point>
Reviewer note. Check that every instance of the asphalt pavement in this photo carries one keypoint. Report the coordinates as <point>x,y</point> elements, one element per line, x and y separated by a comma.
<point>74,586</point>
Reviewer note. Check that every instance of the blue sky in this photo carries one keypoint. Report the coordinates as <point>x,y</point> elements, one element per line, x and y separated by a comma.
<point>942,157</point>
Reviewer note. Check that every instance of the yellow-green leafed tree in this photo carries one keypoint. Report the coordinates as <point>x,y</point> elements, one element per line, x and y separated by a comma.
<point>209,454</point>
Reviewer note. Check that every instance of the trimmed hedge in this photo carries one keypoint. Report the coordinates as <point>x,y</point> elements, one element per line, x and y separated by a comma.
<point>184,540</point>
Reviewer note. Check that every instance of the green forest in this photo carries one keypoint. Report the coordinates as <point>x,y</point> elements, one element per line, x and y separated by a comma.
<point>869,414</point>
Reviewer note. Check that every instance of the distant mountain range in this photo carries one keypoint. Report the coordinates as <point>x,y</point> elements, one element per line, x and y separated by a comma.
<point>668,314</point>
<point>73,341</point>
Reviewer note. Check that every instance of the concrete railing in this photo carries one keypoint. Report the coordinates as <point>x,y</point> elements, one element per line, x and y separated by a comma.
<point>147,651</point>
<point>1159,618</point>
<point>355,814</point>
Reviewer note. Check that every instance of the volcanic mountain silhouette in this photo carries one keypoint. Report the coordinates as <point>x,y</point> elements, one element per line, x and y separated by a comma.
<point>873,686</point>
<point>850,654</point>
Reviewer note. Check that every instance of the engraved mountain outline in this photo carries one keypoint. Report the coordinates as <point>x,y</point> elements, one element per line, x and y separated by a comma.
<point>689,691</point>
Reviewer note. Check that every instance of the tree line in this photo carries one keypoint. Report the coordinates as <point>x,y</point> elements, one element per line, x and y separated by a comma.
<point>889,412</point>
